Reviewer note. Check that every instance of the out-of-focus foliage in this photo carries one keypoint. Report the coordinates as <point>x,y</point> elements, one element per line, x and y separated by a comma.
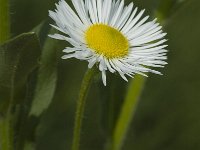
<point>167,116</point>
<point>26,15</point>
<point>18,58</point>
<point>168,113</point>
<point>21,50</point>
<point>47,77</point>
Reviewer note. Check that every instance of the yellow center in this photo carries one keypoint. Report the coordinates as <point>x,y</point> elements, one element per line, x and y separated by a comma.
<point>106,40</point>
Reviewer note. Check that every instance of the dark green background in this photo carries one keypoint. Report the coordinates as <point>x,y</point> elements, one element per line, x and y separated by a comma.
<point>168,115</point>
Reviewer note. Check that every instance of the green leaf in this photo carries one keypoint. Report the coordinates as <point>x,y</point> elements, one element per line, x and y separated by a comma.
<point>18,58</point>
<point>42,31</point>
<point>47,77</point>
<point>58,120</point>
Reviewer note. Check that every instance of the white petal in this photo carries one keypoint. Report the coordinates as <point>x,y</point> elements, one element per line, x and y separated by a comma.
<point>104,77</point>
<point>92,61</point>
<point>91,12</point>
<point>107,11</point>
<point>123,76</point>
<point>134,21</point>
<point>99,10</point>
<point>94,6</point>
<point>58,36</point>
<point>81,10</point>
<point>129,20</point>
<point>68,56</point>
<point>109,66</point>
<point>117,14</point>
<point>134,29</point>
<point>124,16</point>
<point>102,64</point>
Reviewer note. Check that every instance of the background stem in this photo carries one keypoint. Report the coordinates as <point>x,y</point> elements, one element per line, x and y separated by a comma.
<point>127,111</point>
<point>87,80</point>
<point>6,123</point>
<point>4,35</point>
<point>4,20</point>
<point>4,135</point>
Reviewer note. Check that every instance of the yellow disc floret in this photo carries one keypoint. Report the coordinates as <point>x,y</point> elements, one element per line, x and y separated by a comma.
<point>107,41</point>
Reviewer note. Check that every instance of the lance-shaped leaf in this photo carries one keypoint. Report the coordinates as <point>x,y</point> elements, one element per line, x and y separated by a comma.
<point>18,58</point>
<point>47,77</point>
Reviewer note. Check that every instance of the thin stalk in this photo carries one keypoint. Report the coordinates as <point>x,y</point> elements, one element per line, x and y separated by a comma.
<point>86,82</point>
<point>5,134</point>
<point>6,124</point>
<point>127,112</point>
<point>4,20</point>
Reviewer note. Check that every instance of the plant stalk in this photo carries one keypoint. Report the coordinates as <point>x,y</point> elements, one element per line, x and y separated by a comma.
<point>86,82</point>
<point>127,112</point>
<point>5,134</point>
<point>4,21</point>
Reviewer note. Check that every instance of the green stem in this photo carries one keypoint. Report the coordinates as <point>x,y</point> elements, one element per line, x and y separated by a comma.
<point>87,80</point>
<point>5,133</point>
<point>4,20</point>
<point>127,111</point>
<point>6,124</point>
<point>6,129</point>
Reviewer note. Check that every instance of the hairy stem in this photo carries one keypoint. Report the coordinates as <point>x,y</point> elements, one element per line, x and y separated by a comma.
<point>87,80</point>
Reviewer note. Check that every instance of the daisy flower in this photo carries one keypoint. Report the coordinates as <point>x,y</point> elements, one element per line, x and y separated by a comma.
<point>114,36</point>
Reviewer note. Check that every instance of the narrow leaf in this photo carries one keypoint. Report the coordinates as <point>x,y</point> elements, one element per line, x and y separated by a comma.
<point>47,77</point>
<point>18,58</point>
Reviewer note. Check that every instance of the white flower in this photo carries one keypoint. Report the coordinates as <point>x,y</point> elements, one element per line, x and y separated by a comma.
<point>114,36</point>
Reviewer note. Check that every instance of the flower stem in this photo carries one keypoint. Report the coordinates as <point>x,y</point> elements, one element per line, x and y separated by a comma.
<point>87,80</point>
<point>4,20</point>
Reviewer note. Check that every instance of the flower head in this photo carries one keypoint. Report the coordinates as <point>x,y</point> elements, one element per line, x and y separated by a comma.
<point>114,36</point>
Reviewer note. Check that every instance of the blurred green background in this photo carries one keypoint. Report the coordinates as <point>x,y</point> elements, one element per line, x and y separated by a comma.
<point>168,113</point>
